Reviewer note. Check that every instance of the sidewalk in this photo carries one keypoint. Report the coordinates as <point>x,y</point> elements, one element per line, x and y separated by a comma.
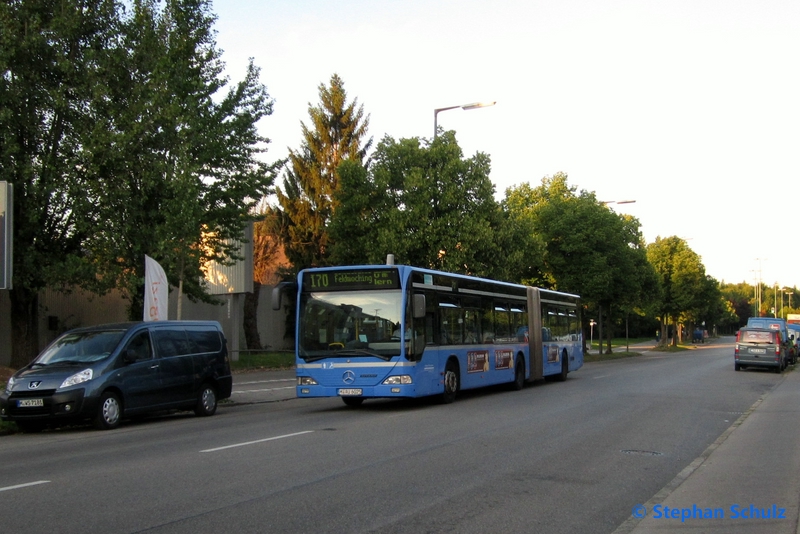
<point>746,481</point>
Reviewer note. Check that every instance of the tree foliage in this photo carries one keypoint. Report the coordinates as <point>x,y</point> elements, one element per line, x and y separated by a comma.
<point>49,54</point>
<point>426,204</point>
<point>587,248</point>
<point>685,288</point>
<point>178,159</point>
<point>126,144</point>
<point>337,133</point>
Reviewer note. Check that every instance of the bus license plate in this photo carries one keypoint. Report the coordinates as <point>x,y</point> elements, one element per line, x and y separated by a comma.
<point>758,351</point>
<point>30,403</point>
<point>350,392</point>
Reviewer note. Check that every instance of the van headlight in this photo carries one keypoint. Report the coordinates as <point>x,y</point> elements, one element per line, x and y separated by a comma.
<point>77,378</point>
<point>10,384</point>
<point>399,379</point>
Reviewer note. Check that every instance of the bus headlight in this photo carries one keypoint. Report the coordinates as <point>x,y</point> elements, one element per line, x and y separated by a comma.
<point>306,381</point>
<point>399,379</point>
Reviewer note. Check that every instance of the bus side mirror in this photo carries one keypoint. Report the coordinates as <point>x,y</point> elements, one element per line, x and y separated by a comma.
<point>278,290</point>
<point>419,306</point>
<point>276,297</point>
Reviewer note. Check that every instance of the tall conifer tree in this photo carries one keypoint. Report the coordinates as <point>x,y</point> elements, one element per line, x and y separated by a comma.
<point>337,133</point>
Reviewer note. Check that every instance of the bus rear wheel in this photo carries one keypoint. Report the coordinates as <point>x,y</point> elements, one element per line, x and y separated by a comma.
<point>562,376</point>
<point>451,382</point>
<point>519,375</point>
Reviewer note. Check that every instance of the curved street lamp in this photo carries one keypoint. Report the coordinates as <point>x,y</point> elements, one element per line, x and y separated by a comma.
<point>465,107</point>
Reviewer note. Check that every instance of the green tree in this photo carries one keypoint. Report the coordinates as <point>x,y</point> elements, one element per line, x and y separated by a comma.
<point>50,55</point>
<point>119,144</point>
<point>307,202</point>
<point>588,249</point>
<point>682,279</point>
<point>174,163</point>
<point>423,202</point>
<point>741,300</point>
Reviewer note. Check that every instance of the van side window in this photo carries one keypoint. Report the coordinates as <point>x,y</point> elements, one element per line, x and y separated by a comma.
<point>171,342</point>
<point>203,340</point>
<point>140,345</point>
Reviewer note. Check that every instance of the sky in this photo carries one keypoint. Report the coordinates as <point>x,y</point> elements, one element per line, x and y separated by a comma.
<point>689,107</point>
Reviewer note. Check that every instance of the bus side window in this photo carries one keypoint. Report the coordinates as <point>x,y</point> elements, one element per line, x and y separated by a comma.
<point>502,325</point>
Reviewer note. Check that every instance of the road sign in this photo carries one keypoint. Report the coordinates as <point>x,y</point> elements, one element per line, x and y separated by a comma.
<point>6,228</point>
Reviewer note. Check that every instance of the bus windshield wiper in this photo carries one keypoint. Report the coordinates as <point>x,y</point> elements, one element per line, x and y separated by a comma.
<point>361,352</point>
<point>345,352</point>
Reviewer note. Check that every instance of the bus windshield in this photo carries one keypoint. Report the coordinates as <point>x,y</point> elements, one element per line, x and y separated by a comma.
<point>343,324</point>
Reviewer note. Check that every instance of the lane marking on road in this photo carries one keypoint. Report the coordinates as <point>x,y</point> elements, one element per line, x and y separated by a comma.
<point>601,376</point>
<point>18,486</point>
<point>260,390</point>
<point>258,441</point>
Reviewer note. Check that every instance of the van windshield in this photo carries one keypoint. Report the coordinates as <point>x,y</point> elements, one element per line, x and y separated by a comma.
<point>81,347</point>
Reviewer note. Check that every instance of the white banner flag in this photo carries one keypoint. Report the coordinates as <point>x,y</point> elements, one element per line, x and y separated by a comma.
<point>156,291</point>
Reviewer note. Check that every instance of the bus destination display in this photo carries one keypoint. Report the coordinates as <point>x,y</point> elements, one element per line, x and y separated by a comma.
<point>351,280</point>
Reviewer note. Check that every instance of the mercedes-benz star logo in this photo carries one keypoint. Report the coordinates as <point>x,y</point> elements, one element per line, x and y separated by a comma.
<point>348,377</point>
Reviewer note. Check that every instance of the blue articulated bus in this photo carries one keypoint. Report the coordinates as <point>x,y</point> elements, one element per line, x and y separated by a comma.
<point>394,331</point>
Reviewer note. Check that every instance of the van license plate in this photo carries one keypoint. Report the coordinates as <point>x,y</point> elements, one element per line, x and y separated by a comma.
<point>758,351</point>
<point>30,403</point>
<point>350,392</point>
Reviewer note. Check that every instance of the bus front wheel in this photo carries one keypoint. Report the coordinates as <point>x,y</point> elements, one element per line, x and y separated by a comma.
<point>451,382</point>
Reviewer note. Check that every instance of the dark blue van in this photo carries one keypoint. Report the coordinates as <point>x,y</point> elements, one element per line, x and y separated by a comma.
<point>107,372</point>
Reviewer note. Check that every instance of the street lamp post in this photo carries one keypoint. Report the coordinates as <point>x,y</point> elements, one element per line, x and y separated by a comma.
<point>591,333</point>
<point>466,107</point>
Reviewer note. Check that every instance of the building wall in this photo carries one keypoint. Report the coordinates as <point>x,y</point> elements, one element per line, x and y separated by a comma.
<point>5,328</point>
<point>63,311</point>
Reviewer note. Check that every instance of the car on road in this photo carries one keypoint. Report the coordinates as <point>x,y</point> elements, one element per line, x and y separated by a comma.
<point>105,373</point>
<point>777,323</point>
<point>759,347</point>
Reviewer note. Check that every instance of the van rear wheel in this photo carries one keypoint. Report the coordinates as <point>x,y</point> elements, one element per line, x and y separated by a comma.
<point>206,401</point>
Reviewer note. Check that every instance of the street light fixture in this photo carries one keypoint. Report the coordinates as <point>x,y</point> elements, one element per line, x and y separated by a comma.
<point>466,107</point>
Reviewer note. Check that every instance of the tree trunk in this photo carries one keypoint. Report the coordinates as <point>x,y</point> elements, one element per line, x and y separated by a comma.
<point>599,329</point>
<point>251,336</point>
<point>24,326</point>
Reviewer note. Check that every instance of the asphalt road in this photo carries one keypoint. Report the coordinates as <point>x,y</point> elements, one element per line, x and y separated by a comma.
<point>555,457</point>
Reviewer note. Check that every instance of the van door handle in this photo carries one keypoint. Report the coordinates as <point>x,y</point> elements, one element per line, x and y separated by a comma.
<point>154,366</point>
